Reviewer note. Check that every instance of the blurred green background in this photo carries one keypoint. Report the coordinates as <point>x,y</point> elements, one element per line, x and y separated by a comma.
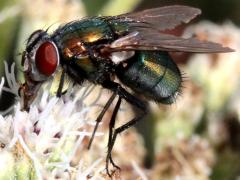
<point>19,18</point>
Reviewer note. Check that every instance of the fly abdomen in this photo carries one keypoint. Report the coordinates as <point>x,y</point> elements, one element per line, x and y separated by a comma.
<point>153,74</point>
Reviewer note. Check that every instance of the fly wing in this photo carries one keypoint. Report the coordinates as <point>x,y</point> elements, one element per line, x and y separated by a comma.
<point>144,31</point>
<point>161,18</point>
<point>148,39</point>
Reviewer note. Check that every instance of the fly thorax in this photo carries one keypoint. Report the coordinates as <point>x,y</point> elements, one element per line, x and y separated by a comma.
<point>74,48</point>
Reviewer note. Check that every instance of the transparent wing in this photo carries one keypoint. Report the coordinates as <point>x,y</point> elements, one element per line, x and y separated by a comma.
<point>148,39</point>
<point>161,18</point>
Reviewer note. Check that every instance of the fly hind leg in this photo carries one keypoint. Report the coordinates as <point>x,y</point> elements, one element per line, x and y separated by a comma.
<point>111,127</point>
<point>122,93</point>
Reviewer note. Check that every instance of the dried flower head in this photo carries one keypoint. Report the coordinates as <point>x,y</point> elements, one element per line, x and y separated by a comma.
<point>190,158</point>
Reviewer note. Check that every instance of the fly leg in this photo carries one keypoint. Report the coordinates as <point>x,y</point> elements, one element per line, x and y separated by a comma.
<point>111,127</point>
<point>122,93</point>
<point>61,83</point>
<point>100,116</point>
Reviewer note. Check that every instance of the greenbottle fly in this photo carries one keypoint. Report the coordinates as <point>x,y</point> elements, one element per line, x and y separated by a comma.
<point>131,47</point>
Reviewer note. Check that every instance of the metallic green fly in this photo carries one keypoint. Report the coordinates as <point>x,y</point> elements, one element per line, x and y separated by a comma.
<point>131,47</point>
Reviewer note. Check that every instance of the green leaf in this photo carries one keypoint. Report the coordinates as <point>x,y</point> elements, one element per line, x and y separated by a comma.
<point>94,6</point>
<point>116,7</point>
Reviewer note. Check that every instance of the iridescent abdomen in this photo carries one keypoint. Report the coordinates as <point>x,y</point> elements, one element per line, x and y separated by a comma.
<point>153,74</point>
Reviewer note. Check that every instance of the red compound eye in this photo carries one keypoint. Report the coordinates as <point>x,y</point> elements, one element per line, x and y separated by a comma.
<point>46,58</point>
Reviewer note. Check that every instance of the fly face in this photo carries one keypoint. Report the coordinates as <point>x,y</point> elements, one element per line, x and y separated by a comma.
<point>41,57</point>
<point>40,61</point>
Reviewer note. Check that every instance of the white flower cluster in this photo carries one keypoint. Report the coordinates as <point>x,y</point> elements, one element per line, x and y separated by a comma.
<point>43,142</point>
